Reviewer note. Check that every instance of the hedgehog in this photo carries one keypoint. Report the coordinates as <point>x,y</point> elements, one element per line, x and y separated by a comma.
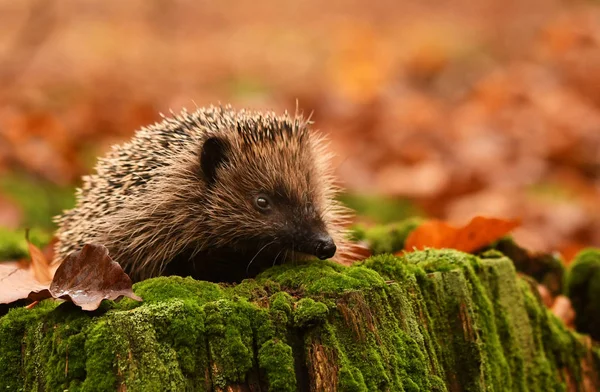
<point>217,194</point>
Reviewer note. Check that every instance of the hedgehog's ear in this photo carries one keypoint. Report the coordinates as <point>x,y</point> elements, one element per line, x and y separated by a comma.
<point>212,155</point>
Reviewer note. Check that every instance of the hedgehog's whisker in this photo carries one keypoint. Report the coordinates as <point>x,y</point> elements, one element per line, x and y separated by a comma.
<point>285,255</point>
<point>276,256</point>
<point>257,253</point>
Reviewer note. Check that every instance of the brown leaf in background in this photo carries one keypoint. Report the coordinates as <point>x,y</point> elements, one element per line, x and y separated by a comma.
<point>476,234</point>
<point>569,250</point>
<point>432,234</point>
<point>88,276</point>
<point>360,65</point>
<point>429,102</point>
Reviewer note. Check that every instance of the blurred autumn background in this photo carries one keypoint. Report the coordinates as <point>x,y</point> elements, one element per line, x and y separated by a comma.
<point>446,109</point>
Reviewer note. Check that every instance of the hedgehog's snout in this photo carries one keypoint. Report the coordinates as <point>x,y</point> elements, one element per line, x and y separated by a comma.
<point>318,244</point>
<point>325,247</point>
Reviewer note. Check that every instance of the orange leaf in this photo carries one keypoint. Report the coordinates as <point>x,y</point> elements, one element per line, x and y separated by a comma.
<point>40,266</point>
<point>478,233</point>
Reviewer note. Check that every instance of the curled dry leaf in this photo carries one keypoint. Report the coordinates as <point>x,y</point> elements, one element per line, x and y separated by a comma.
<point>88,276</point>
<point>85,277</point>
<point>476,234</point>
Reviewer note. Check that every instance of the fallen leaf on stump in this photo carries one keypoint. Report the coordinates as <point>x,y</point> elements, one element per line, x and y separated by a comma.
<point>88,276</point>
<point>85,277</point>
<point>475,235</point>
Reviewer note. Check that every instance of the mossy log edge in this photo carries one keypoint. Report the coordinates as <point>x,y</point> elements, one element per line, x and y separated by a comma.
<point>434,320</point>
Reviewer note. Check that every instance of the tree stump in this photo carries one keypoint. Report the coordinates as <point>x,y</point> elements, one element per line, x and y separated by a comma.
<point>434,320</point>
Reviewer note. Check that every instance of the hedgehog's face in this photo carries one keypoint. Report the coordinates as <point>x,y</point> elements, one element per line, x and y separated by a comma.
<point>294,224</point>
<point>265,199</point>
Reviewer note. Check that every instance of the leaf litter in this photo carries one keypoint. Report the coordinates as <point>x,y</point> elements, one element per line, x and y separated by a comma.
<point>85,277</point>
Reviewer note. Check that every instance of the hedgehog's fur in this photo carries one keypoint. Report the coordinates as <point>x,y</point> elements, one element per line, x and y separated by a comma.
<point>160,208</point>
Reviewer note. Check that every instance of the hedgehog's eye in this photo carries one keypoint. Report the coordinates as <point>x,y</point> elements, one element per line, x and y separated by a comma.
<point>262,203</point>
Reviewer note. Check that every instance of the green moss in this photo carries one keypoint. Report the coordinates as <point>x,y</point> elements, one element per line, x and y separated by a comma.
<point>583,288</point>
<point>433,260</point>
<point>275,357</point>
<point>541,370</point>
<point>351,380</point>
<point>185,334</point>
<point>296,277</point>
<point>64,337</point>
<point>309,311</point>
<point>352,279</point>
<point>251,290</point>
<point>386,239</point>
<point>433,320</point>
<point>230,340</point>
<point>264,327</point>
<point>282,302</point>
<point>13,245</point>
<point>280,311</point>
<point>391,267</point>
<point>501,343</point>
<point>512,325</point>
<point>15,328</point>
<point>168,288</point>
<point>545,268</point>
<point>102,368</point>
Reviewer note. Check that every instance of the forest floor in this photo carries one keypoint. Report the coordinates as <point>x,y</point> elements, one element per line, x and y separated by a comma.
<point>448,109</point>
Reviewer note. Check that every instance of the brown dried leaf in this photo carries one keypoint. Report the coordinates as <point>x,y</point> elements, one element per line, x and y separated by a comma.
<point>88,276</point>
<point>17,283</point>
<point>85,277</point>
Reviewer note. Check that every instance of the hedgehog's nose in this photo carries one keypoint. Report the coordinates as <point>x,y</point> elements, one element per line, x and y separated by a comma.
<point>325,247</point>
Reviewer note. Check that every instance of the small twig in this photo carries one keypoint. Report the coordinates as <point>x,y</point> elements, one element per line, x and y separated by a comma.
<point>32,305</point>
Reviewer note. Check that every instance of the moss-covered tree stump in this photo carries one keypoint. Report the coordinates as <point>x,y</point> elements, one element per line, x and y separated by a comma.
<point>430,321</point>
